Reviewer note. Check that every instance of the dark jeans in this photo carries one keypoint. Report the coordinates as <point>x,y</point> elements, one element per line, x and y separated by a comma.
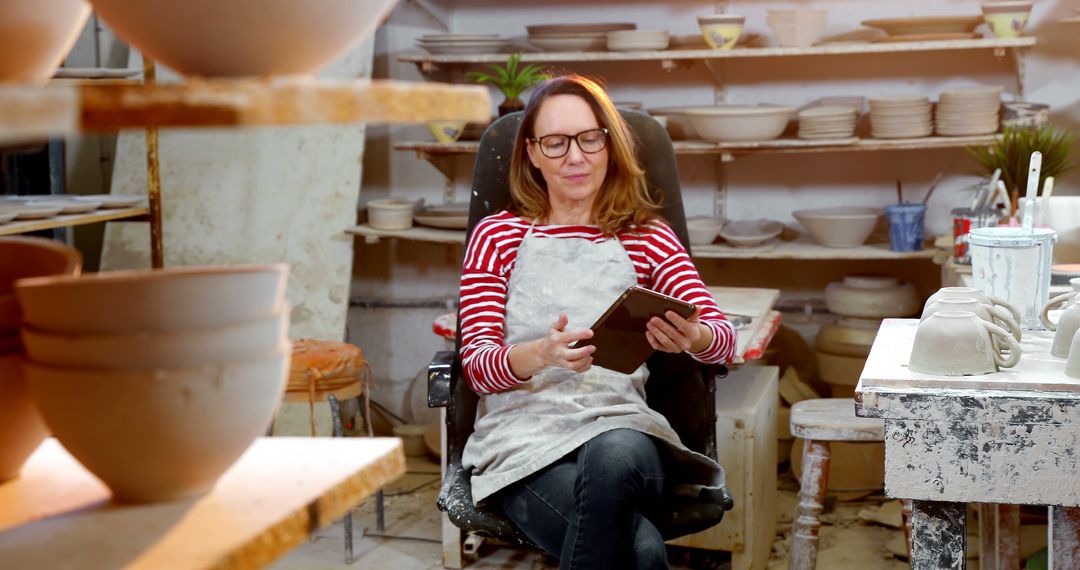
<point>589,508</point>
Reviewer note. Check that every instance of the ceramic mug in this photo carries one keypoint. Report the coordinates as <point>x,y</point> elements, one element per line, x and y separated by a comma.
<point>1067,324</point>
<point>990,313</point>
<point>959,343</point>
<point>950,292</point>
<point>1072,365</point>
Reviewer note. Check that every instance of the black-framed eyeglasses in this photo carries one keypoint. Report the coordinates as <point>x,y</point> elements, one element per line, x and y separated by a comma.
<point>591,141</point>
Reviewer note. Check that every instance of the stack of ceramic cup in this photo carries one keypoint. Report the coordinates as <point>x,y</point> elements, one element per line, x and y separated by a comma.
<point>964,332</point>
<point>972,111</point>
<point>901,117</point>
<point>21,427</point>
<point>157,381</point>
<point>827,122</point>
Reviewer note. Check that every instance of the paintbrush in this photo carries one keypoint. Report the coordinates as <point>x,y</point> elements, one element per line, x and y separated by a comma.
<point>933,185</point>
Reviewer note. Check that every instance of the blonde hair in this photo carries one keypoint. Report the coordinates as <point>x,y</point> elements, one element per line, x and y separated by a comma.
<point>623,200</point>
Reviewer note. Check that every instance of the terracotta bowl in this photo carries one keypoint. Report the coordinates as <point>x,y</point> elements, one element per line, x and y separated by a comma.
<point>163,434</point>
<point>22,257</point>
<point>149,350</point>
<point>839,227</point>
<point>243,37</point>
<point>21,427</point>
<point>35,35</point>
<point>169,300</point>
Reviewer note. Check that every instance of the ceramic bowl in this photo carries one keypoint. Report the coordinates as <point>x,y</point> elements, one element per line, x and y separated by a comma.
<point>243,37</point>
<point>871,297</point>
<point>447,131</point>
<point>750,233</point>
<point>740,123</point>
<point>848,337</point>
<point>703,230</point>
<point>391,214</point>
<point>839,227</point>
<point>637,40</point>
<point>160,435</point>
<point>797,28</point>
<point>149,350</point>
<point>35,35</point>
<point>22,257</point>
<point>721,31</point>
<point>184,298</point>
<point>680,126</point>
<point>21,426</point>
<point>965,292</point>
<point>1006,19</point>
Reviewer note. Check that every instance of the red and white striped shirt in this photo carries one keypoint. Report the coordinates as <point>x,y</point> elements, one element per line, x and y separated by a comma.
<point>660,259</point>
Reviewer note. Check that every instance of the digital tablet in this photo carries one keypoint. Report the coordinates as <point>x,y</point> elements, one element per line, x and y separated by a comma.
<point>619,334</point>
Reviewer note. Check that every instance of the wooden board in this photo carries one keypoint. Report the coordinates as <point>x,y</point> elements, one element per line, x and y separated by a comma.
<point>747,301</point>
<point>57,515</point>
<point>805,248</point>
<point>102,215</point>
<point>1038,370</point>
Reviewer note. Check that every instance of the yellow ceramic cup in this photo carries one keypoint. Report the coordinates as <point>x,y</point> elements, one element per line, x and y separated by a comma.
<point>1007,19</point>
<point>446,131</point>
<point>721,31</point>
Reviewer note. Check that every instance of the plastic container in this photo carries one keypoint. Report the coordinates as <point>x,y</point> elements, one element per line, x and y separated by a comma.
<point>906,231</point>
<point>1014,264</point>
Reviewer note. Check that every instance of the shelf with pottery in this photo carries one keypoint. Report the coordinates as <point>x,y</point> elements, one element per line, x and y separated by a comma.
<point>28,113</point>
<point>415,233</point>
<point>68,220</point>
<point>805,248</point>
<point>429,62</point>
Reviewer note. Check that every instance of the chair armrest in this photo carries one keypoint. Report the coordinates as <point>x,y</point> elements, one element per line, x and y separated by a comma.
<point>440,371</point>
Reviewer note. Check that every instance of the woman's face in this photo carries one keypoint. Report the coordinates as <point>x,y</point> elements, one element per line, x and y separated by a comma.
<point>573,179</point>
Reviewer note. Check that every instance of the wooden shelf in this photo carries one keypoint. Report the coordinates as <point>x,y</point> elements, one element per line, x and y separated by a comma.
<point>34,113</point>
<point>778,146</point>
<point>804,248</point>
<point>415,233</point>
<point>428,62</point>
<point>21,227</point>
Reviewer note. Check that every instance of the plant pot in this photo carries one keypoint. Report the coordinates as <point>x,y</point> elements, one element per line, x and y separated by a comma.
<point>510,105</point>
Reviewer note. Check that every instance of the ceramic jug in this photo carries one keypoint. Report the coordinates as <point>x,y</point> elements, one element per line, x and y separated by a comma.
<point>947,292</point>
<point>1067,324</point>
<point>959,343</point>
<point>1072,365</point>
<point>991,313</point>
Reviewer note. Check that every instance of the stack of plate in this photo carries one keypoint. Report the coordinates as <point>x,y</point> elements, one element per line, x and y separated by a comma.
<point>637,40</point>
<point>900,117</point>
<point>827,122</point>
<point>972,111</point>
<point>574,37</point>
<point>462,44</point>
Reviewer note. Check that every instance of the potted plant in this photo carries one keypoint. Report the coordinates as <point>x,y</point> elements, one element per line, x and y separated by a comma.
<point>1011,152</point>
<point>512,80</point>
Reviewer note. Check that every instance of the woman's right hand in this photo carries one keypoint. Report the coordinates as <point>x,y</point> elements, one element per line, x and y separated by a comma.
<point>552,350</point>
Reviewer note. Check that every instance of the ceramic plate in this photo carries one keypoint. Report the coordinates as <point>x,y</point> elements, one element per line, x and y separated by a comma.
<point>926,25</point>
<point>37,212</point>
<point>94,73</point>
<point>114,200</point>
<point>749,233</point>
<point>458,222</point>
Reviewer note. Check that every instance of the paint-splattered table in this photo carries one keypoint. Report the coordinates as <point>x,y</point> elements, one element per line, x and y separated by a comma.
<point>1006,438</point>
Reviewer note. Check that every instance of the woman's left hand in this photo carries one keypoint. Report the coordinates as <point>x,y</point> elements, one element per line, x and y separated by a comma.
<point>677,334</point>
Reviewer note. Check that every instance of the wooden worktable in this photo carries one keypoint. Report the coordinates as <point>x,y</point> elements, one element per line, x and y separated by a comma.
<point>58,515</point>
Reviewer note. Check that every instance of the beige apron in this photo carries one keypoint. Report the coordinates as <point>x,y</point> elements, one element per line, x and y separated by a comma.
<point>527,428</point>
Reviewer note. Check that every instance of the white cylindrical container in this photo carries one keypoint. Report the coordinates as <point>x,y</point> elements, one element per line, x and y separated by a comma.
<point>1014,264</point>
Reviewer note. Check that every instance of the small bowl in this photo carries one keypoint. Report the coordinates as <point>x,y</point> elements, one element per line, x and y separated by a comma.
<point>391,214</point>
<point>750,233</point>
<point>165,434</point>
<point>21,426</point>
<point>1006,19</point>
<point>178,299</point>
<point>703,230</point>
<point>721,31</point>
<point>839,227</point>
<point>446,131</point>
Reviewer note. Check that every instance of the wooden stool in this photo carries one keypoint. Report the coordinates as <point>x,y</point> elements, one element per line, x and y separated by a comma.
<point>334,371</point>
<point>819,422</point>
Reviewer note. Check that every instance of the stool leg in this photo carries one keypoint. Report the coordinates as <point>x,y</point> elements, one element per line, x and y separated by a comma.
<point>907,525</point>
<point>339,431</point>
<point>815,479</point>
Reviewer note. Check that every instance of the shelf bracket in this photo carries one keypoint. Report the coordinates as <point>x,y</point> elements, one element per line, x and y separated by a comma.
<point>999,52</point>
<point>427,66</point>
<point>1021,72</point>
<point>720,198</point>
<point>443,162</point>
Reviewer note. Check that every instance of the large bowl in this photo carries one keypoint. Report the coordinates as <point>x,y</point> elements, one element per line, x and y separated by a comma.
<point>179,299</point>
<point>163,434</point>
<point>243,37</point>
<point>35,35</point>
<point>22,257</point>
<point>149,350</point>
<point>839,227</point>
<point>740,123</point>
<point>21,427</point>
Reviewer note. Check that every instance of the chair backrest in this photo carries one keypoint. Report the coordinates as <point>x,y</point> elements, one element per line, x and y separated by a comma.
<point>683,396</point>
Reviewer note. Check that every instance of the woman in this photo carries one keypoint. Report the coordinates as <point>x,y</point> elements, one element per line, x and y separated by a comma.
<point>571,452</point>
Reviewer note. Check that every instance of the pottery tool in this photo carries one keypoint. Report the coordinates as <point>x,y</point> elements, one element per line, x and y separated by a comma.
<point>933,185</point>
<point>999,191</point>
<point>899,193</point>
<point>991,189</point>
<point>1034,167</point>
<point>1044,200</point>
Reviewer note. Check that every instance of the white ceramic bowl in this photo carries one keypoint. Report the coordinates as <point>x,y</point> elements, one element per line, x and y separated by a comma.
<point>750,233</point>
<point>148,350</point>
<point>21,426</point>
<point>839,227</point>
<point>163,434</point>
<point>179,299</point>
<point>703,230</point>
<point>391,214</point>
<point>680,126</point>
<point>797,28</point>
<point>721,31</point>
<point>871,297</point>
<point>740,123</point>
<point>35,35</point>
<point>22,257</point>
<point>243,37</point>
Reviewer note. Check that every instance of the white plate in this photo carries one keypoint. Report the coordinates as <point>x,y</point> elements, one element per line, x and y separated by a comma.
<point>94,73</point>
<point>114,200</point>
<point>37,212</point>
<point>445,222</point>
<point>749,233</point>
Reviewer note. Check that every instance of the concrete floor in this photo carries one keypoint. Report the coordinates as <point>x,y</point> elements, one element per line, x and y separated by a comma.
<point>411,538</point>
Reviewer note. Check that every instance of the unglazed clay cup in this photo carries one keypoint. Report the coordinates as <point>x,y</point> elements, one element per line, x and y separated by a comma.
<point>947,292</point>
<point>959,343</point>
<point>1067,325</point>
<point>989,313</point>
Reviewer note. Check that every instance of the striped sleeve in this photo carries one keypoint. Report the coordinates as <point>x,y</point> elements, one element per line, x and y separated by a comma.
<point>671,272</point>
<point>484,278</point>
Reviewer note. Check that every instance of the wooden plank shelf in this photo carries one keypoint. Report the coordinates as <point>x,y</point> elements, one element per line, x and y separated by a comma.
<point>429,62</point>
<point>804,248</point>
<point>34,113</point>
<point>415,233</point>
<point>24,226</point>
